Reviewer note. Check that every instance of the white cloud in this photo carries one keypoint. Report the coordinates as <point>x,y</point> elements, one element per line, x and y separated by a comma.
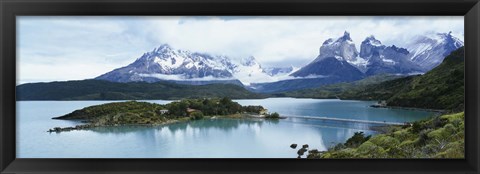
<point>63,48</point>
<point>182,77</point>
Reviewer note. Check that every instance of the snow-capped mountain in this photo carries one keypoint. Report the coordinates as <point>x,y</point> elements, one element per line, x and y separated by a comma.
<point>321,71</point>
<point>370,46</point>
<point>276,71</point>
<point>374,58</point>
<point>386,59</point>
<point>338,61</point>
<point>249,71</point>
<point>428,51</point>
<point>342,48</point>
<point>332,65</point>
<point>168,64</point>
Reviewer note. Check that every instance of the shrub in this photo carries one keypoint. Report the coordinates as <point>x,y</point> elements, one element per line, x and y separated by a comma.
<point>417,127</point>
<point>357,139</point>
<point>403,135</point>
<point>371,150</point>
<point>197,115</point>
<point>384,141</point>
<point>344,153</point>
<point>273,115</point>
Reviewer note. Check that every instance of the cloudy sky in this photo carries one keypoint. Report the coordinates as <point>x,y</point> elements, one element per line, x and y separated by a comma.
<point>75,48</point>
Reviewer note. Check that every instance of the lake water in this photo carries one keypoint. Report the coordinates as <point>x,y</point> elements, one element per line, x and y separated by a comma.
<point>208,138</point>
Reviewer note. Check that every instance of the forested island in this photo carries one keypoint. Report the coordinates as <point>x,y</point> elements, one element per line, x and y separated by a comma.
<point>145,113</point>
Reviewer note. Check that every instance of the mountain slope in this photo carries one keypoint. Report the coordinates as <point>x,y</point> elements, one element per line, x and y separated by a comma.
<point>328,67</point>
<point>326,71</point>
<point>441,88</point>
<point>428,51</point>
<point>386,59</point>
<point>105,90</point>
<point>334,90</point>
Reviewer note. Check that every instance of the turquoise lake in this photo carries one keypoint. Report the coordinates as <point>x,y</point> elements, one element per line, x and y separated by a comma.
<point>207,138</point>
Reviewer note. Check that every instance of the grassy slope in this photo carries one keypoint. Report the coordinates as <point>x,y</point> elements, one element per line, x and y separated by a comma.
<point>439,137</point>
<point>104,90</point>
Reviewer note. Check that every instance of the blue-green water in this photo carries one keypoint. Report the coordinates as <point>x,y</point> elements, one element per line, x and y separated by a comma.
<point>208,138</point>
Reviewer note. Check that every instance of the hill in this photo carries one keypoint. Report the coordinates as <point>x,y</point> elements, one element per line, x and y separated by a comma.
<point>441,88</point>
<point>334,90</point>
<point>105,90</point>
<point>437,137</point>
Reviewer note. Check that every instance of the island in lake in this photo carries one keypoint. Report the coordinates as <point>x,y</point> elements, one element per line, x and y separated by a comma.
<point>145,113</point>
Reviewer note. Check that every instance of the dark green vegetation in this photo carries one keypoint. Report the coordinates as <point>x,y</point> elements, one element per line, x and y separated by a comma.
<point>133,112</point>
<point>274,115</point>
<point>105,90</point>
<point>438,137</point>
<point>336,90</point>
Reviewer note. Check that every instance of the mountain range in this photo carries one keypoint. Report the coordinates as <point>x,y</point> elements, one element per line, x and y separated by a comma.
<point>338,61</point>
<point>167,64</point>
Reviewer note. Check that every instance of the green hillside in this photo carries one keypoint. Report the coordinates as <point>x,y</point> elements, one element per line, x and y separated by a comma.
<point>438,137</point>
<point>441,88</point>
<point>334,90</point>
<point>105,90</point>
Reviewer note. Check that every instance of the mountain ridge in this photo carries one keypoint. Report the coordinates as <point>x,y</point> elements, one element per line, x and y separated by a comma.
<point>92,89</point>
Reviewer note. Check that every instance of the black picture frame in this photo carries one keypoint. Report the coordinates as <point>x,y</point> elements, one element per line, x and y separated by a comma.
<point>9,9</point>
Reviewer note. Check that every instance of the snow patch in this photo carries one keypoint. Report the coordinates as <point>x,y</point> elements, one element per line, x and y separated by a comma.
<point>390,61</point>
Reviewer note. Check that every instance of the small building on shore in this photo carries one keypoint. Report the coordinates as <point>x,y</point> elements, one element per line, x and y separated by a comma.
<point>163,111</point>
<point>382,103</point>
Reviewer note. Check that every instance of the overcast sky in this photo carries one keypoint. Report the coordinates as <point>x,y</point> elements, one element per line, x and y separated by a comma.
<point>75,48</point>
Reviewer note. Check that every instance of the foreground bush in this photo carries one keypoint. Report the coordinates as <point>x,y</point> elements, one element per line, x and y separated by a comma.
<point>438,137</point>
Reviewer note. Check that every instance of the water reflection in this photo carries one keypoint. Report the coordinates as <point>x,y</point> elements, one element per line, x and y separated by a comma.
<point>219,138</point>
<point>222,124</point>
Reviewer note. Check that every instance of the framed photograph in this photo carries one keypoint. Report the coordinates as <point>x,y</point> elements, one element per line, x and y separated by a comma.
<point>239,86</point>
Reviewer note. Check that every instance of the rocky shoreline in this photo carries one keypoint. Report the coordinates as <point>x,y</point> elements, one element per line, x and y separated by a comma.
<point>90,126</point>
<point>439,111</point>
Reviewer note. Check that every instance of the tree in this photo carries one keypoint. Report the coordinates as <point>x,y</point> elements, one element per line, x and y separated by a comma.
<point>197,115</point>
<point>357,139</point>
<point>273,115</point>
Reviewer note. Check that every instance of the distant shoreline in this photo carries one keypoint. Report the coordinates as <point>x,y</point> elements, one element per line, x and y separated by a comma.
<point>439,111</point>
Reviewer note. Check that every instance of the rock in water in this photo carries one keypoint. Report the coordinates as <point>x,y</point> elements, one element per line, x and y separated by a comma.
<point>301,151</point>
<point>293,146</point>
